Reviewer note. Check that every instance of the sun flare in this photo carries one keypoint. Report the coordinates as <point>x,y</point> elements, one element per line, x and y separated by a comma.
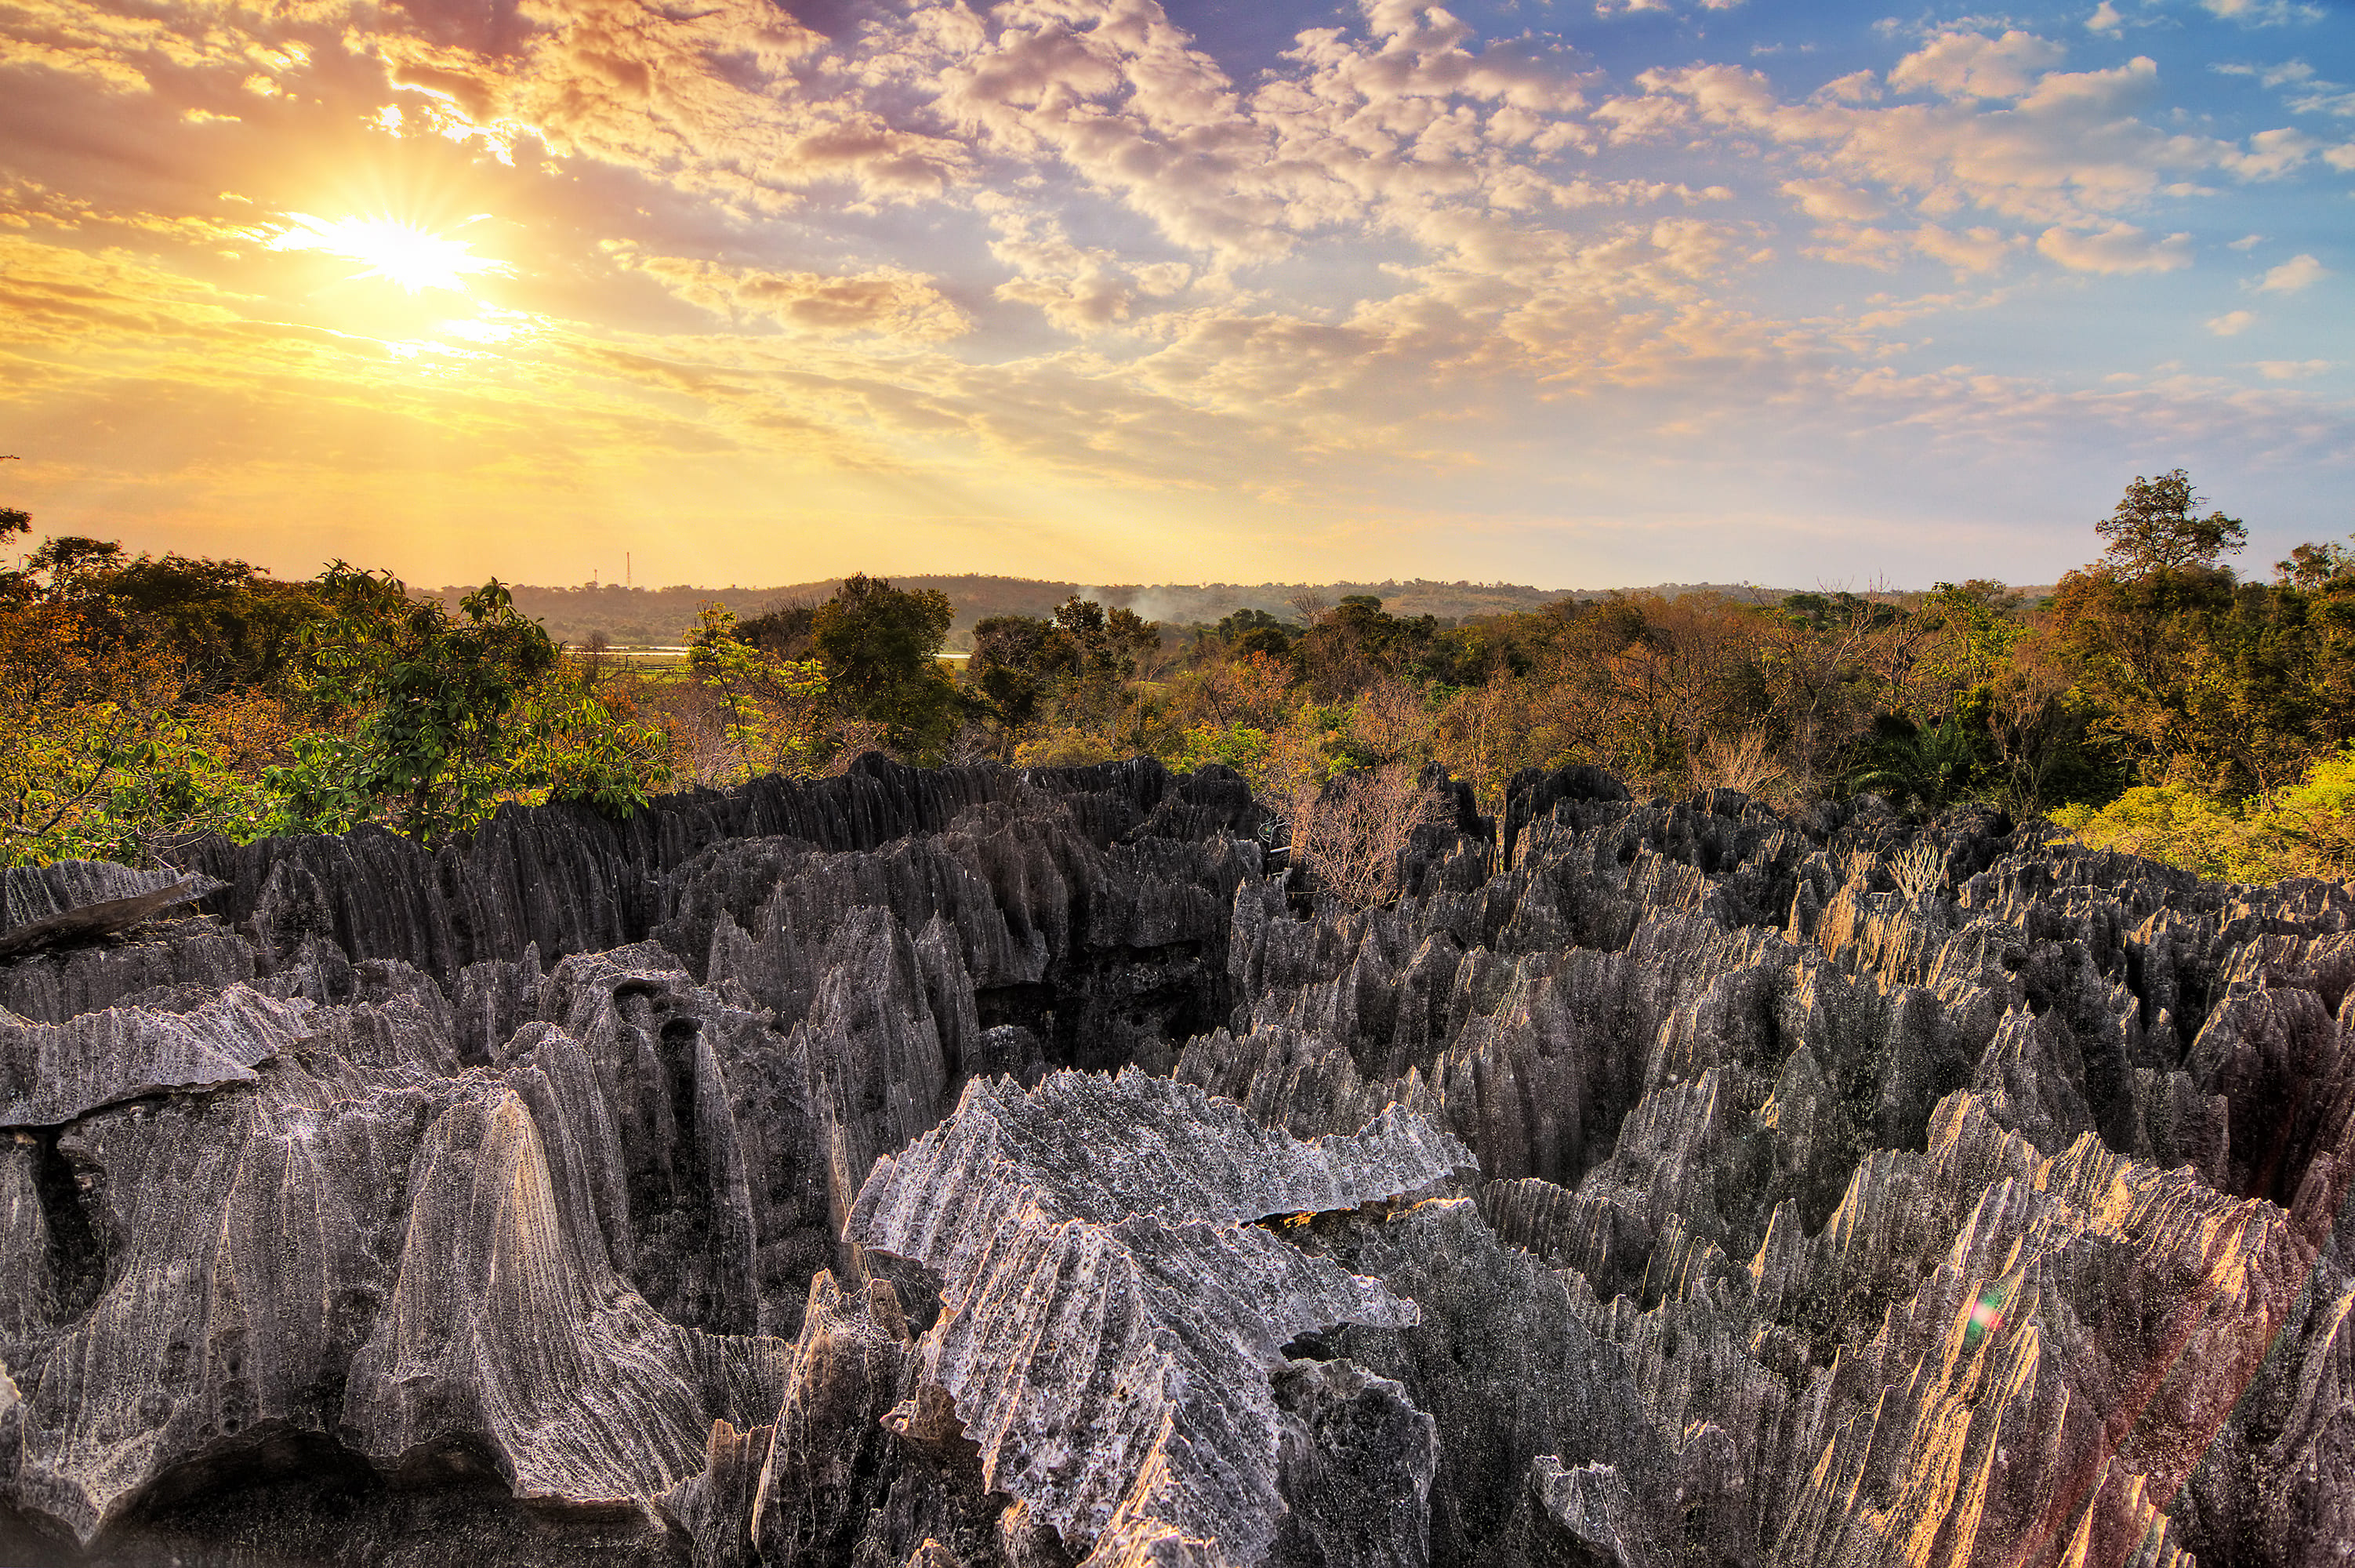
<point>402,253</point>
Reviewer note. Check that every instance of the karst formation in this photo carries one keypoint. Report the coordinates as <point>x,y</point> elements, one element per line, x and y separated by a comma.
<point>977,1168</point>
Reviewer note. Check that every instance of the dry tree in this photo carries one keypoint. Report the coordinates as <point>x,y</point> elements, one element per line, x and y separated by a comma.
<point>1350,834</point>
<point>1917,871</point>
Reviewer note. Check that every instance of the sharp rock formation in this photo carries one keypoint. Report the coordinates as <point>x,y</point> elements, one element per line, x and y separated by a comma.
<point>989,1169</point>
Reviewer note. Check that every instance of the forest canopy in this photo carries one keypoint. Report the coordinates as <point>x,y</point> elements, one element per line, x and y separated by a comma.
<point>2156,699</point>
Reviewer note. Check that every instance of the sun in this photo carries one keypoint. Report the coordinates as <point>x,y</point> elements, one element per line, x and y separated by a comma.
<point>415,259</point>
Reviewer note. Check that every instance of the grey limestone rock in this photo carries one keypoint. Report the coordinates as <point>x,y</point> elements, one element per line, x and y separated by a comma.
<point>998,1169</point>
<point>1112,1315</point>
<point>51,1074</point>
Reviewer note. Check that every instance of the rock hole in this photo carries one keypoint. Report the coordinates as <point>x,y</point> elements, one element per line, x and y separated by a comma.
<point>77,1250</point>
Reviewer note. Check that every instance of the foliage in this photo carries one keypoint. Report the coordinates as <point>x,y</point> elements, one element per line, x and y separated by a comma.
<point>448,716</point>
<point>880,649</point>
<point>1237,746</point>
<point>1925,769</point>
<point>2311,567</point>
<point>776,713</point>
<point>2305,828</point>
<point>2176,824</point>
<point>1068,746</point>
<point>1071,667</point>
<point>2156,528</point>
<point>145,699</point>
<point>103,752</point>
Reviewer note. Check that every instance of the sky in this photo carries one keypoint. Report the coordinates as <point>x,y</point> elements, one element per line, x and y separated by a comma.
<point>1573,293</point>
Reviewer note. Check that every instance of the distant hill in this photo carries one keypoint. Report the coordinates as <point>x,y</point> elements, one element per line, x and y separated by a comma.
<point>637,616</point>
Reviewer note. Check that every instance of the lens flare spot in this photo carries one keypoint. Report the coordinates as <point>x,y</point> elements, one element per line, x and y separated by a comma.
<point>1987,1316</point>
<point>402,253</point>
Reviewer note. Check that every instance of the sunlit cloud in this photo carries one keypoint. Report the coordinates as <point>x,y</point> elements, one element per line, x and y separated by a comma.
<point>2119,247</point>
<point>2300,271</point>
<point>1092,262</point>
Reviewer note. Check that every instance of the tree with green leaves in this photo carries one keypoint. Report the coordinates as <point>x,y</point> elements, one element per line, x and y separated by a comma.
<point>880,646</point>
<point>2157,527</point>
<point>2310,567</point>
<point>1074,665</point>
<point>449,716</point>
<point>774,712</point>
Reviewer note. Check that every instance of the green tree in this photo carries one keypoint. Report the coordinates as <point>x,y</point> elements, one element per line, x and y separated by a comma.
<point>1016,662</point>
<point>775,712</point>
<point>880,646</point>
<point>2311,566</point>
<point>449,716</point>
<point>2157,527</point>
<point>1073,665</point>
<point>1926,769</point>
<point>107,745</point>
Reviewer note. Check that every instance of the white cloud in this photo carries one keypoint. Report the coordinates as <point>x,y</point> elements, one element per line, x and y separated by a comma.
<point>2246,242</point>
<point>2263,13</point>
<point>2120,248</point>
<point>883,302</point>
<point>2291,369</point>
<point>1973,251</point>
<point>2299,272</point>
<point>1970,65</point>
<point>2230,323</point>
<point>1856,86</point>
<point>1980,250</point>
<point>2271,155</point>
<point>2074,151</point>
<point>2104,19</point>
<point>1829,199</point>
<point>2322,98</point>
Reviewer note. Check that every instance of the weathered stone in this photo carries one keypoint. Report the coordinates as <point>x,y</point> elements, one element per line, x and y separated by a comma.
<point>983,1168</point>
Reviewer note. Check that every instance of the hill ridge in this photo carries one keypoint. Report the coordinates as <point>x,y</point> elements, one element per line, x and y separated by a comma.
<point>638,616</point>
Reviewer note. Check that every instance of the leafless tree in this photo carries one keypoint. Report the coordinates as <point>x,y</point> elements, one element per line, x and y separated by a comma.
<point>1350,834</point>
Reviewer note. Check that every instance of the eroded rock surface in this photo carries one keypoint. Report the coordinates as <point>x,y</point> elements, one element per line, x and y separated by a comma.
<point>974,1168</point>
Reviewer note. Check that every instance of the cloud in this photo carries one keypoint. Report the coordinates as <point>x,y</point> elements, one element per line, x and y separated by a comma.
<point>1829,199</point>
<point>883,302</point>
<point>2291,369</point>
<point>2322,98</point>
<point>2230,322</point>
<point>1973,250</point>
<point>2074,150</point>
<point>2104,19</point>
<point>726,102</point>
<point>1042,242</point>
<point>2263,13</point>
<point>1971,65</point>
<point>1980,250</point>
<point>2298,272</point>
<point>2271,155</point>
<point>2120,248</point>
<point>2267,75</point>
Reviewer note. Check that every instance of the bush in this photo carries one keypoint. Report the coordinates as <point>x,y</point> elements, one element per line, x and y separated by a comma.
<point>1068,747</point>
<point>2305,829</point>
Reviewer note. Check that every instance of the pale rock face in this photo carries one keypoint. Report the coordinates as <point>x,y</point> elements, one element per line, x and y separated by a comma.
<point>982,1169</point>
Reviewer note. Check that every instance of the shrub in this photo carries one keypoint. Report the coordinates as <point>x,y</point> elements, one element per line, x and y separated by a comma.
<point>2307,828</point>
